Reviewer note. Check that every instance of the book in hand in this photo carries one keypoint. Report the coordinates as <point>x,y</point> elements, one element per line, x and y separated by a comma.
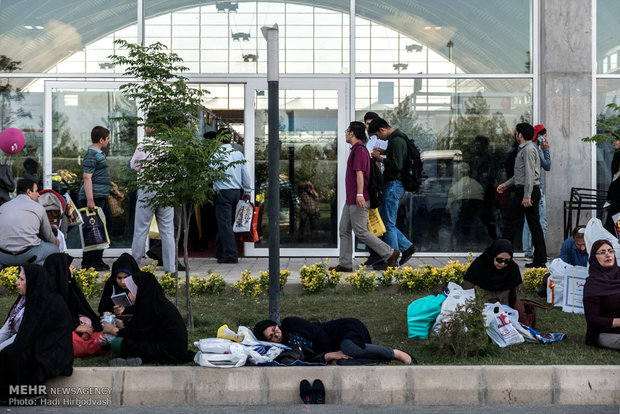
<point>121,299</point>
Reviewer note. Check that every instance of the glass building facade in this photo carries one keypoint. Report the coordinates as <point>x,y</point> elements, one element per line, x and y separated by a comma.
<point>456,75</point>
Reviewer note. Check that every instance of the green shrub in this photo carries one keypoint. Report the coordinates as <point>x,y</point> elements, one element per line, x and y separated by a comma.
<point>89,282</point>
<point>169,283</point>
<point>362,280</point>
<point>464,335</point>
<point>264,279</point>
<point>314,278</point>
<point>213,285</point>
<point>533,278</point>
<point>8,279</point>
<point>248,285</point>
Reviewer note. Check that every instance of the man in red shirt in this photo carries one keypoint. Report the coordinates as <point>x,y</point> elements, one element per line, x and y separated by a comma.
<point>355,210</point>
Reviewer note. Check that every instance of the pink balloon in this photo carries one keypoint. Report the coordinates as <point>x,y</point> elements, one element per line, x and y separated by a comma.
<point>12,140</point>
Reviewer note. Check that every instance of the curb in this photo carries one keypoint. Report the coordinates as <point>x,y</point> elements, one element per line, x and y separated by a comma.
<point>368,385</point>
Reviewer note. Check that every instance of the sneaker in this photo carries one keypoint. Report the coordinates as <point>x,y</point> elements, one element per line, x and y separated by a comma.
<point>407,254</point>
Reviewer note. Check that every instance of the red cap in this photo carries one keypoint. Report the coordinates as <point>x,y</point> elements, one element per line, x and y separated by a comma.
<point>537,129</point>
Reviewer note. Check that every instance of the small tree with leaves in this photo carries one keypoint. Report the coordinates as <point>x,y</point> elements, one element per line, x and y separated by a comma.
<point>608,127</point>
<point>181,168</point>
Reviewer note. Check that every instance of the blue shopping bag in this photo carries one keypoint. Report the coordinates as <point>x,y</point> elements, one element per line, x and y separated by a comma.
<point>421,315</point>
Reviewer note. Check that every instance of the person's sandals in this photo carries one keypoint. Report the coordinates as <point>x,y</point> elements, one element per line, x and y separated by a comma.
<point>305,392</point>
<point>125,362</point>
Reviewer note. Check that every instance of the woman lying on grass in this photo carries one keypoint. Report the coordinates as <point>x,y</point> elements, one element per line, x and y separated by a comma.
<point>341,341</point>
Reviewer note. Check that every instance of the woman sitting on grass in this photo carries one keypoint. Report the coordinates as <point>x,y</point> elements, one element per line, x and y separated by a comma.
<point>601,297</point>
<point>87,337</point>
<point>123,267</point>
<point>496,273</point>
<point>35,340</point>
<point>341,341</point>
<point>155,333</point>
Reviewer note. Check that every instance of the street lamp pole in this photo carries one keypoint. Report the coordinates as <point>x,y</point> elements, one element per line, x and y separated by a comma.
<point>271,35</point>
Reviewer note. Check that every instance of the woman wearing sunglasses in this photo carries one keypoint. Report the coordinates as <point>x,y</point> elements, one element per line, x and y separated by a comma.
<point>496,273</point>
<point>601,297</point>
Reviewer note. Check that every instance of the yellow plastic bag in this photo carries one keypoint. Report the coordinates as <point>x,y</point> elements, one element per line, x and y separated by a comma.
<point>154,230</point>
<point>375,224</point>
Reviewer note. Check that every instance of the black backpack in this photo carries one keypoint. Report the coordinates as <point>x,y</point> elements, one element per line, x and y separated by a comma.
<point>375,183</point>
<point>412,167</point>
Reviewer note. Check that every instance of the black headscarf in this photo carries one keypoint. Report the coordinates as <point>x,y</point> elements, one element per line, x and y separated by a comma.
<point>259,328</point>
<point>157,332</point>
<point>601,281</point>
<point>43,347</point>
<point>483,273</point>
<point>125,263</point>
<point>57,267</point>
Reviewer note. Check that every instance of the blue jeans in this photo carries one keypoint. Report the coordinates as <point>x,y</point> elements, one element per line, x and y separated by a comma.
<point>527,235</point>
<point>392,193</point>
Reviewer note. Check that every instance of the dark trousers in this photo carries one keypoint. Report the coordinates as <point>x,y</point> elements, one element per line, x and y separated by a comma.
<point>225,205</point>
<point>532,215</point>
<point>94,257</point>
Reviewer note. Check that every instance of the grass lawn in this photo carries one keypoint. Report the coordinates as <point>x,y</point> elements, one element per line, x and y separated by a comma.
<point>385,314</point>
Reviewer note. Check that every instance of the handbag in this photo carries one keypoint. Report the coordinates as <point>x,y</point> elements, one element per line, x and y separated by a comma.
<point>94,232</point>
<point>252,235</point>
<point>243,217</point>
<point>421,315</point>
<point>375,224</point>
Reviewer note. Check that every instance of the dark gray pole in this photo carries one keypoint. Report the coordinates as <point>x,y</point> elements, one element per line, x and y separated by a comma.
<point>271,35</point>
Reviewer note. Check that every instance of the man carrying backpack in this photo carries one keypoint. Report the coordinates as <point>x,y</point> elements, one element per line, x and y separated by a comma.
<point>396,156</point>
<point>355,210</point>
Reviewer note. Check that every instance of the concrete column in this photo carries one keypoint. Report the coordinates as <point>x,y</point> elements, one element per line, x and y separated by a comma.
<point>565,104</point>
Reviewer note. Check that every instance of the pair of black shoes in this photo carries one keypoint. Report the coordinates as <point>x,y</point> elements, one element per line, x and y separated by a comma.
<point>312,394</point>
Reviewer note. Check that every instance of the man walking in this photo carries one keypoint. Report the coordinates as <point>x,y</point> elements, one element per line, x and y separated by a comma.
<point>96,188</point>
<point>229,193</point>
<point>144,215</point>
<point>526,179</point>
<point>26,232</point>
<point>355,211</point>
<point>393,190</point>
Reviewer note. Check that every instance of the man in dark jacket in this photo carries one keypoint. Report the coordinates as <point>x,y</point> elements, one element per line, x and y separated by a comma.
<point>393,190</point>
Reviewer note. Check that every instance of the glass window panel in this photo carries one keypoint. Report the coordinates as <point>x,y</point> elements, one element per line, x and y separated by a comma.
<point>607,91</point>
<point>456,209</point>
<point>163,19</point>
<point>185,31</point>
<point>330,31</point>
<point>308,168</point>
<point>189,18</point>
<point>186,43</point>
<point>607,37</point>
<point>328,55</point>
<point>300,31</point>
<point>35,40</point>
<point>507,26</point>
<point>300,43</point>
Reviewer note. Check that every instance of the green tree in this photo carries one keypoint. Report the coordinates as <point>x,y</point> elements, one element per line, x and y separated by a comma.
<point>403,117</point>
<point>608,126</point>
<point>9,94</point>
<point>182,168</point>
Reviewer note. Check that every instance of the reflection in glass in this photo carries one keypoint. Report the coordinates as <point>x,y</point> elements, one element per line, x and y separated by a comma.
<point>464,130</point>
<point>607,36</point>
<point>74,114</point>
<point>308,167</point>
<point>608,91</point>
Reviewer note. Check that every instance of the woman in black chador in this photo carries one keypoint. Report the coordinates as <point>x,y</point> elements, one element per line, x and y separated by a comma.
<point>343,341</point>
<point>35,340</point>
<point>123,267</point>
<point>496,273</point>
<point>156,332</point>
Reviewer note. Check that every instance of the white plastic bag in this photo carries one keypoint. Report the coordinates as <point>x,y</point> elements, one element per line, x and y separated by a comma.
<point>236,358</point>
<point>500,327</point>
<point>595,231</point>
<point>456,296</point>
<point>243,217</point>
<point>214,345</point>
<point>558,269</point>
